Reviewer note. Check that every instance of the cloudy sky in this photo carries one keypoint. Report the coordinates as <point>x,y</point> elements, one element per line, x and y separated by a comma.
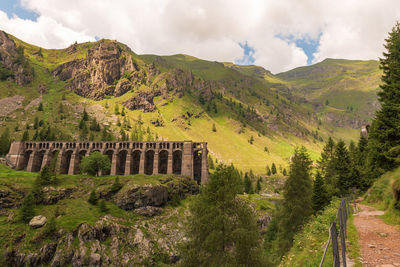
<point>276,34</point>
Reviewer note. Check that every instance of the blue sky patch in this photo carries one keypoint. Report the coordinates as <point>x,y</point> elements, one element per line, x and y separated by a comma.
<point>248,55</point>
<point>309,46</point>
<point>12,7</point>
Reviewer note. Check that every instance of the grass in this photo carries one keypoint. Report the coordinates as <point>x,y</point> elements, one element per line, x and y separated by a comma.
<point>353,249</point>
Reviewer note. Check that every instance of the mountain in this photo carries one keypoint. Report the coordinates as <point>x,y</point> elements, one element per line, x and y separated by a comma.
<point>259,117</point>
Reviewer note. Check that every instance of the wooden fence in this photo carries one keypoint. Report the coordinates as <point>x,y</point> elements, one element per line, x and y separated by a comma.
<point>341,217</point>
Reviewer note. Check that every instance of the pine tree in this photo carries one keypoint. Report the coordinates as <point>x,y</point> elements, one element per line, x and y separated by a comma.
<point>220,221</point>
<point>384,133</point>
<point>26,210</point>
<point>320,196</point>
<point>103,206</point>
<point>116,186</point>
<point>36,123</point>
<point>25,136</point>
<point>284,172</point>
<point>297,203</point>
<point>248,187</point>
<point>50,229</point>
<point>85,115</point>
<point>92,198</point>
<point>251,140</point>
<point>268,171</point>
<point>273,168</point>
<point>258,188</point>
<point>116,109</point>
<point>40,107</point>
<point>341,164</point>
<point>214,129</point>
<point>5,142</point>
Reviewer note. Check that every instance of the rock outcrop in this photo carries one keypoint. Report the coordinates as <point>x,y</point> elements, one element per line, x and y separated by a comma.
<point>13,64</point>
<point>38,221</point>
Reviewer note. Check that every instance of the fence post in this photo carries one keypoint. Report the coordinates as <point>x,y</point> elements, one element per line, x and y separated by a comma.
<point>342,218</point>
<point>335,249</point>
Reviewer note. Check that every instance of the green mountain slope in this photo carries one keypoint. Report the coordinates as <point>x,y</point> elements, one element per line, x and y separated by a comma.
<point>259,118</point>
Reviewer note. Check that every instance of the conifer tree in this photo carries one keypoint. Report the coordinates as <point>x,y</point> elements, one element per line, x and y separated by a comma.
<point>26,211</point>
<point>342,166</point>
<point>214,129</point>
<point>284,172</point>
<point>103,206</point>
<point>384,133</point>
<point>248,187</point>
<point>273,168</point>
<point>269,171</point>
<point>258,188</point>
<point>85,115</point>
<point>40,107</point>
<point>221,228</point>
<point>5,142</point>
<point>116,186</point>
<point>25,136</point>
<point>297,203</point>
<point>320,196</point>
<point>210,163</point>
<point>92,198</point>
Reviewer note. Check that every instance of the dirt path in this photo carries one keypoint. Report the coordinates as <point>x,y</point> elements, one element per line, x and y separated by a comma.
<point>379,242</point>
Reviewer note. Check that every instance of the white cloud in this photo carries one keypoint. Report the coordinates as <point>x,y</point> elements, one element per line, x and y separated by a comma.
<point>212,29</point>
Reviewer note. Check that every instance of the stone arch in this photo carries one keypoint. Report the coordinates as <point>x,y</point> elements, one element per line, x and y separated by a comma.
<point>197,158</point>
<point>65,161</point>
<point>163,162</point>
<point>110,154</point>
<point>121,161</point>
<point>37,160</point>
<point>177,162</point>
<point>135,161</point>
<point>149,162</point>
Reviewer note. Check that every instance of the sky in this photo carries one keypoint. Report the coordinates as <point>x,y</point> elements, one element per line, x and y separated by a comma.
<point>277,35</point>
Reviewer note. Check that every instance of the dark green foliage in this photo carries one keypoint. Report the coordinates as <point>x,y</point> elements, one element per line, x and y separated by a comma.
<point>103,206</point>
<point>50,229</point>
<point>273,168</point>
<point>326,168</point>
<point>284,172</point>
<point>342,166</point>
<point>116,109</point>
<point>320,196</point>
<point>92,198</point>
<point>36,123</point>
<point>269,171</point>
<point>123,111</point>
<point>251,140</point>
<point>40,107</point>
<point>221,228</point>
<point>47,176</point>
<point>116,186</point>
<point>210,163</point>
<point>94,163</point>
<point>5,73</point>
<point>297,203</point>
<point>26,211</point>
<point>5,142</point>
<point>214,129</point>
<point>258,187</point>
<point>85,115</point>
<point>94,125</point>
<point>384,132</point>
<point>25,136</point>
<point>247,185</point>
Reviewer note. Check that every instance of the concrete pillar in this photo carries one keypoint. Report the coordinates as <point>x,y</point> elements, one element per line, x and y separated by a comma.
<point>141,164</point>
<point>128,163</point>
<point>46,159</point>
<point>114,164</point>
<point>204,164</point>
<point>29,167</point>
<point>15,155</point>
<point>155,163</point>
<point>59,161</point>
<point>170,158</point>
<point>187,159</point>
<point>73,163</point>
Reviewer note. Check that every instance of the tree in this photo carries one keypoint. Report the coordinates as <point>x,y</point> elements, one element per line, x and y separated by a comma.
<point>40,107</point>
<point>210,163</point>
<point>5,142</point>
<point>284,172</point>
<point>36,123</point>
<point>214,129</point>
<point>27,211</point>
<point>116,109</point>
<point>326,168</point>
<point>258,188</point>
<point>94,163</point>
<point>248,187</point>
<point>273,168</point>
<point>92,198</point>
<point>297,203</point>
<point>320,196</point>
<point>25,136</point>
<point>221,227</point>
<point>251,140</point>
<point>384,132</point>
<point>269,171</point>
<point>85,115</point>
<point>116,186</point>
<point>341,164</point>
<point>103,206</point>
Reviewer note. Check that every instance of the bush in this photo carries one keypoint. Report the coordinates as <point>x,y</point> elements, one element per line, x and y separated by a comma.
<point>92,198</point>
<point>27,208</point>
<point>116,186</point>
<point>103,206</point>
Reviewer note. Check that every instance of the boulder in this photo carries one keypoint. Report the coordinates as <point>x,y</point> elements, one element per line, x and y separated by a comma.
<point>38,221</point>
<point>135,196</point>
<point>149,211</point>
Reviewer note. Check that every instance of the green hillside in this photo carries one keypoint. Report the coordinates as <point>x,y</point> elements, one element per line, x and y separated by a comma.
<point>259,118</point>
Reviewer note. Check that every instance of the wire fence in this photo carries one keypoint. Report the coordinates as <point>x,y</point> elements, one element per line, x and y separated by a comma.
<point>339,253</point>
